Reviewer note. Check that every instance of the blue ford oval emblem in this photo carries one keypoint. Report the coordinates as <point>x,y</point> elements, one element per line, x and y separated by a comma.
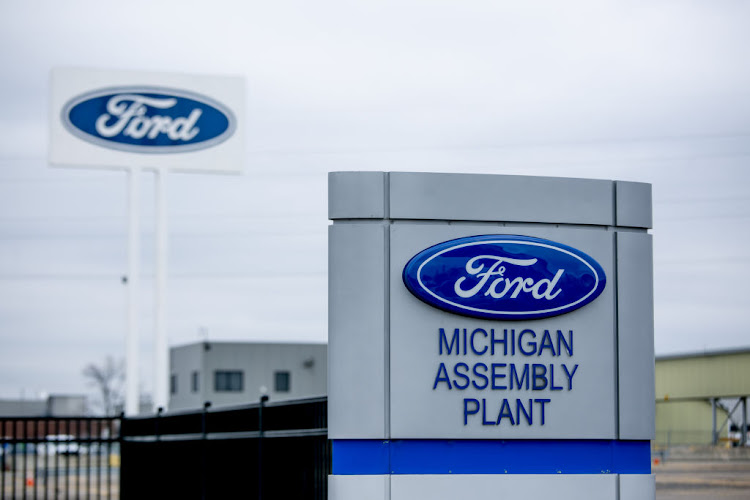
<point>504,277</point>
<point>148,119</point>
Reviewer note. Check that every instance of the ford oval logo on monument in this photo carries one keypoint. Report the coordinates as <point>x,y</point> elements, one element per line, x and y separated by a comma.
<point>148,119</point>
<point>504,277</point>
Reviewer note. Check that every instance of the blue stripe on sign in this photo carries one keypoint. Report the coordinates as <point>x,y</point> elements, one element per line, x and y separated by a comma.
<point>415,456</point>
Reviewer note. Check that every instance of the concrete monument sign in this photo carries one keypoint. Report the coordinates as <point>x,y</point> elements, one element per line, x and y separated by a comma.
<point>489,335</point>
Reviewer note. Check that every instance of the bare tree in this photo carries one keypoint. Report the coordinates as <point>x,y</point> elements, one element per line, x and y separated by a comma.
<point>108,379</point>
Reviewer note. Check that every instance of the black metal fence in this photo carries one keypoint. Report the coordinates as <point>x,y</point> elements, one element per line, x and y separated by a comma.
<point>264,451</point>
<point>48,457</point>
<point>273,451</point>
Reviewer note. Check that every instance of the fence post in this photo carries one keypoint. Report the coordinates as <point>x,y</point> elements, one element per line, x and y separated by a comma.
<point>263,399</point>
<point>204,448</point>
<point>159,411</point>
<point>121,443</point>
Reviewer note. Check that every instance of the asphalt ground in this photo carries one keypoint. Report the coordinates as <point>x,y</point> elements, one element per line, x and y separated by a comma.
<point>694,480</point>
<point>675,480</point>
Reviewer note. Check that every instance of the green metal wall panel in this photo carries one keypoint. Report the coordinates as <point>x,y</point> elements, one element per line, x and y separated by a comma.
<point>703,376</point>
<point>686,423</point>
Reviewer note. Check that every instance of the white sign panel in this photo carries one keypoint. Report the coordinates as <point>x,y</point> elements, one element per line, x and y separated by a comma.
<point>482,378</point>
<point>115,119</point>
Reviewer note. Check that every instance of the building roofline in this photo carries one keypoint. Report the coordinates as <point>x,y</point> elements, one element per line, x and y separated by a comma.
<point>704,354</point>
<point>241,342</point>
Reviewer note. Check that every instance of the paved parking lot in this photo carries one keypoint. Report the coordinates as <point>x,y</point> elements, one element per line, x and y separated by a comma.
<point>77,476</point>
<point>694,480</point>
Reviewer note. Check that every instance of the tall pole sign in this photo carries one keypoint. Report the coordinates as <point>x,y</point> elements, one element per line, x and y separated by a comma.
<point>490,337</point>
<point>138,121</point>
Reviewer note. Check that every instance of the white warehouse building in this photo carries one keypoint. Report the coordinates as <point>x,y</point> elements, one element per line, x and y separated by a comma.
<point>234,373</point>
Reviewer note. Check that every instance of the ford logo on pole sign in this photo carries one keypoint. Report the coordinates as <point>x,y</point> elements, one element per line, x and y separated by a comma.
<point>504,277</point>
<point>148,119</point>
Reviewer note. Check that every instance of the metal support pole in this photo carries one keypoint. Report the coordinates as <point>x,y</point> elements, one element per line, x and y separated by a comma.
<point>161,350</point>
<point>132,335</point>
<point>714,436</point>
<point>743,440</point>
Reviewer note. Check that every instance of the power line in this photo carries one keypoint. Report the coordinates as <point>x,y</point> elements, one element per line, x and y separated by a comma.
<point>517,145</point>
<point>456,147</point>
<point>702,200</point>
<point>717,260</point>
<point>172,235</point>
<point>120,277</point>
<point>706,217</point>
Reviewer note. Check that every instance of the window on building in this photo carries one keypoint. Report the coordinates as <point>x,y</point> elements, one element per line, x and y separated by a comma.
<point>282,382</point>
<point>195,381</point>
<point>173,384</point>
<point>228,381</point>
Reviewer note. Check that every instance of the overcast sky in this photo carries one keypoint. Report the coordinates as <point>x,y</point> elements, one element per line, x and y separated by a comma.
<point>650,91</point>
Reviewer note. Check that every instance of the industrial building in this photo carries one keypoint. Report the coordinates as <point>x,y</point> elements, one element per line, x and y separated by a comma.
<point>232,373</point>
<point>701,398</point>
<point>54,405</point>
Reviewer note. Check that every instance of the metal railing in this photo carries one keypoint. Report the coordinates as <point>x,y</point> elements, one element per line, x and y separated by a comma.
<point>269,451</point>
<point>58,457</point>
<point>275,450</point>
